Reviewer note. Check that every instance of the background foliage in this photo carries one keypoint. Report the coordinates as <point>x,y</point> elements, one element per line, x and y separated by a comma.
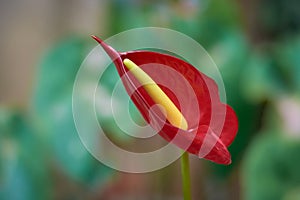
<point>256,46</point>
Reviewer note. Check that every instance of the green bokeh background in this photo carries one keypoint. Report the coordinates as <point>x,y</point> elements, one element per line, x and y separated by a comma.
<point>255,44</point>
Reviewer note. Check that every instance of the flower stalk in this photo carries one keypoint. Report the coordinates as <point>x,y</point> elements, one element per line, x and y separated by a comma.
<point>185,174</point>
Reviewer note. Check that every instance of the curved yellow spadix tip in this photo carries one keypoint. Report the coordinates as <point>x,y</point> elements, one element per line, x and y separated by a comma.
<point>171,112</point>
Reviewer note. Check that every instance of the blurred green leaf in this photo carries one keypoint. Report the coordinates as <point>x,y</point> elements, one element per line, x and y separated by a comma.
<point>24,166</point>
<point>261,81</point>
<point>269,75</point>
<point>286,55</point>
<point>130,14</point>
<point>52,105</point>
<point>57,73</point>
<point>271,166</point>
<point>217,20</point>
<point>230,54</point>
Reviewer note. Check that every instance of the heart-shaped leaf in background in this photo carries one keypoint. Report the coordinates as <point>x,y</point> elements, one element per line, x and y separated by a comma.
<point>52,109</point>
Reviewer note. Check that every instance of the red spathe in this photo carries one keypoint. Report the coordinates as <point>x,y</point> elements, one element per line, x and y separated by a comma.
<point>212,125</point>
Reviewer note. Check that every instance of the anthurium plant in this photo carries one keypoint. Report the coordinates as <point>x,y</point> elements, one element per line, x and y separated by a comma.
<point>211,130</point>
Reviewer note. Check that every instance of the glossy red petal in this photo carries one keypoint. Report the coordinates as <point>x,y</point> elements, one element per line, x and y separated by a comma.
<point>212,124</point>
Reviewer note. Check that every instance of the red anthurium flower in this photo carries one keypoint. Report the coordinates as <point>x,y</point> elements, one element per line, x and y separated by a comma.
<point>211,125</point>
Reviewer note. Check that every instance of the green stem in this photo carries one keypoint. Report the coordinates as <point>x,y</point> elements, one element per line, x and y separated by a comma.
<point>185,173</point>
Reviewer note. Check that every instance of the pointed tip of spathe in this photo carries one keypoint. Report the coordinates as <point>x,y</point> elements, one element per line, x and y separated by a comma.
<point>113,54</point>
<point>97,39</point>
<point>228,162</point>
<point>224,157</point>
<point>222,160</point>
